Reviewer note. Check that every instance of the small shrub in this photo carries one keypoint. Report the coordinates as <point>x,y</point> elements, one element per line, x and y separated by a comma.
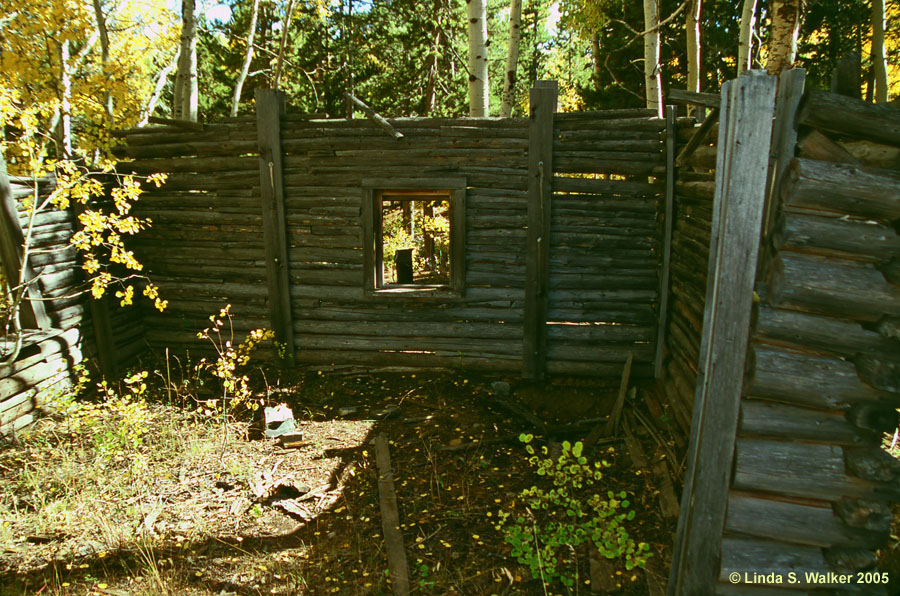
<point>552,523</point>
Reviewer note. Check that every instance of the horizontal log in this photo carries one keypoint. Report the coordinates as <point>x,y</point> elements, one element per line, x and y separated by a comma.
<point>698,189</point>
<point>591,352</point>
<point>420,329</point>
<point>219,147</point>
<point>769,562</point>
<point>191,164</point>
<point>593,186</point>
<point>380,359</point>
<point>806,470</point>
<point>601,334</point>
<point>842,188</point>
<point>810,381</point>
<point>408,343</point>
<point>808,523</point>
<point>771,419</point>
<point>852,239</point>
<point>872,154</point>
<point>832,286</point>
<point>646,146</point>
<point>597,369</point>
<point>588,165</point>
<point>851,117</point>
<point>804,331</point>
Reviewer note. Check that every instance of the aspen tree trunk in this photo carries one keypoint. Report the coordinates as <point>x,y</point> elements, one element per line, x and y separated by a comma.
<point>104,55</point>
<point>64,132</point>
<point>745,39</point>
<point>186,93</point>
<point>430,98</point>
<point>879,62</point>
<point>478,59</point>
<point>512,59</point>
<point>651,56</point>
<point>692,26</point>
<point>248,57</point>
<point>783,35</point>
<point>161,79</point>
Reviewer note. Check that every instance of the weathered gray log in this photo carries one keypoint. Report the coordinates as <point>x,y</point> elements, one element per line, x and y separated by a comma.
<point>843,188</point>
<point>770,419</point>
<point>865,514</point>
<point>784,468</point>
<point>847,238</point>
<point>757,558</point>
<point>874,155</point>
<point>872,463</point>
<point>390,518</point>
<point>562,184</point>
<point>804,331</point>
<point>852,117</point>
<point>810,381</point>
<point>809,523</point>
<point>707,100</point>
<point>833,287</point>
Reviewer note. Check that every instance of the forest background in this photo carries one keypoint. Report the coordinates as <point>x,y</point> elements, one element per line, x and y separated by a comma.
<point>74,69</point>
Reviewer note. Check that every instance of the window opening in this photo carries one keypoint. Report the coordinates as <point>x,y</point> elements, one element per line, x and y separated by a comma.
<point>414,238</point>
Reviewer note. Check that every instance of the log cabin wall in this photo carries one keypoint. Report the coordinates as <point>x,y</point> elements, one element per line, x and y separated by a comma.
<point>812,486</point>
<point>208,244</point>
<point>810,489</point>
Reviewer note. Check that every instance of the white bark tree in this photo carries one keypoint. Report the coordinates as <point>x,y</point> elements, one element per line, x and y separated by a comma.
<point>478,58</point>
<point>104,54</point>
<point>512,59</point>
<point>652,78</point>
<point>248,57</point>
<point>786,15</point>
<point>186,92</point>
<point>692,26</point>
<point>879,62</point>
<point>745,37</point>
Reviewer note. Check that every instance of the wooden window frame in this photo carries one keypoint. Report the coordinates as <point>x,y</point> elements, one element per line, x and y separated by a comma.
<point>450,189</point>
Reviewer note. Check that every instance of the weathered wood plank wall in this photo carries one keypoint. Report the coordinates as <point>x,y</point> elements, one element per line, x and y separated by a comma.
<point>207,244</point>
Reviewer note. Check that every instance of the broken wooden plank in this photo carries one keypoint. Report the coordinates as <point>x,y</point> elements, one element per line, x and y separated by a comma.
<point>390,518</point>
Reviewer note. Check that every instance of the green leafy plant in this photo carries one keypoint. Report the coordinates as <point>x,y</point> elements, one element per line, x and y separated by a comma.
<point>553,522</point>
<point>231,362</point>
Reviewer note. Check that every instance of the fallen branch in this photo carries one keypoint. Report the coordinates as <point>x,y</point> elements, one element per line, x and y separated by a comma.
<point>374,116</point>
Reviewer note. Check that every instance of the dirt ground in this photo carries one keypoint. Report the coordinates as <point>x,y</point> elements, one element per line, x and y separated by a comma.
<point>255,517</point>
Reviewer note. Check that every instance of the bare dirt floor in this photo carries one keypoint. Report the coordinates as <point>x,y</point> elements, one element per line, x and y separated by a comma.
<point>184,504</point>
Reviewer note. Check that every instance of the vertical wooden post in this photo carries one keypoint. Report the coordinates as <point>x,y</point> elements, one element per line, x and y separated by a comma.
<point>543,99</point>
<point>32,313</point>
<point>671,142</point>
<point>745,133</point>
<point>269,109</point>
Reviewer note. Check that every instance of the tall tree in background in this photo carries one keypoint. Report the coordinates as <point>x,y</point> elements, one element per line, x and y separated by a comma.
<point>248,58</point>
<point>783,34</point>
<point>879,62</point>
<point>509,82</point>
<point>478,58</point>
<point>745,39</point>
<point>692,37</point>
<point>652,77</point>
<point>186,88</point>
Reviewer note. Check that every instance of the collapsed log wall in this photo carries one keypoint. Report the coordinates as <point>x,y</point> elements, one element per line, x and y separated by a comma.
<point>207,246</point>
<point>42,370</point>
